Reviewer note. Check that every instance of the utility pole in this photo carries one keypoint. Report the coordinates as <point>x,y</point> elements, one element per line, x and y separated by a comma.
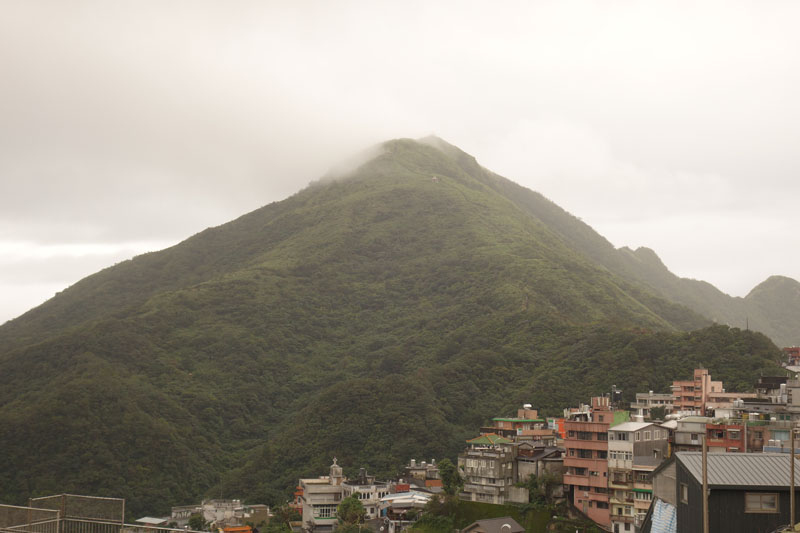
<point>705,485</point>
<point>791,480</point>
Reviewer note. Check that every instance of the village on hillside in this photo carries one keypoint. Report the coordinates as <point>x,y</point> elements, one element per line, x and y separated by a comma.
<point>602,466</point>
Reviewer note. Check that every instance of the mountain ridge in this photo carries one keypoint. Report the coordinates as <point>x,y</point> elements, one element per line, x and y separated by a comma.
<point>376,316</point>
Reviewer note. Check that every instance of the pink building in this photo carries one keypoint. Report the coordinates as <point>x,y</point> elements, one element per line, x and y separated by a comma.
<point>586,460</point>
<point>693,395</point>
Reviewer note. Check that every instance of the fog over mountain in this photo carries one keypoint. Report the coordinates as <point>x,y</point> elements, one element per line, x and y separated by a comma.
<point>129,126</point>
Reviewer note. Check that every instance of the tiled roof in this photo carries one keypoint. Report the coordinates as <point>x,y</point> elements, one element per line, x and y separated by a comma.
<point>741,469</point>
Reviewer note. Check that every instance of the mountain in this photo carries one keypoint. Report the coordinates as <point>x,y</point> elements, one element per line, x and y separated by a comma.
<point>377,315</point>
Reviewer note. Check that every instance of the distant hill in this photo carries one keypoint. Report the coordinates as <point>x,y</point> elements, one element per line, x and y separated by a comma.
<point>378,315</point>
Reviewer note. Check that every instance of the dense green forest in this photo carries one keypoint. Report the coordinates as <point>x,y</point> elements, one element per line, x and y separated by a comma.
<point>377,316</point>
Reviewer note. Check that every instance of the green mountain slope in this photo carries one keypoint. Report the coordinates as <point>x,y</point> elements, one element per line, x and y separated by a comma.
<point>377,316</point>
<point>772,308</point>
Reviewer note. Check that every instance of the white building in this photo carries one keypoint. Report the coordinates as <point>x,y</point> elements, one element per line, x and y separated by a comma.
<point>628,478</point>
<point>320,498</point>
<point>369,491</point>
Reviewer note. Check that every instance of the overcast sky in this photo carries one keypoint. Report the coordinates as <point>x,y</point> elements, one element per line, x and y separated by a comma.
<point>127,126</point>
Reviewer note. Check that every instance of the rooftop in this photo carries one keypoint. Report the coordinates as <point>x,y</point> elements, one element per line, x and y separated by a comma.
<point>630,426</point>
<point>696,419</point>
<point>505,524</point>
<point>499,419</point>
<point>741,469</point>
<point>490,439</point>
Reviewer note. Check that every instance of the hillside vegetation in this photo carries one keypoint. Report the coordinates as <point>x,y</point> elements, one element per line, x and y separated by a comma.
<point>378,316</point>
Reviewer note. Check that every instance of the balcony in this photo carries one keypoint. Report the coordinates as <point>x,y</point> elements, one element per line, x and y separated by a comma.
<point>622,519</point>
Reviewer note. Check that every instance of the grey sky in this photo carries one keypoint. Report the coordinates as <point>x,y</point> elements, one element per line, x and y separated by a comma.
<point>128,126</point>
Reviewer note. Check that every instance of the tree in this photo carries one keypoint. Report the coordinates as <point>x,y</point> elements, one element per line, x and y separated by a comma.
<point>197,522</point>
<point>658,413</point>
<point>451,479</point>
<point>540,489</point>
<point>351,511</point>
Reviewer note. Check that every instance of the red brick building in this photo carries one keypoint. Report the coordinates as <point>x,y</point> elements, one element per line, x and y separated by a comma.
<point>726,437</point>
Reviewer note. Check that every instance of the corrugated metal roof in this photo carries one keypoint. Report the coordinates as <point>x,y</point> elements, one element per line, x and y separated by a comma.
<point>742,469</point>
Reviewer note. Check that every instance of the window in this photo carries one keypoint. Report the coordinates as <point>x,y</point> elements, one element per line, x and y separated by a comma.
<point>600,418</point>
<point>571,434</point>
<point>760,502</point>
<point>646,435</point>
<point>585,454</point>
<point>324,511</point>
<point>602,436</point>
<point>638,436</point>
<point>684,493</point>
<point>733,434</point>
<point>602,454</point>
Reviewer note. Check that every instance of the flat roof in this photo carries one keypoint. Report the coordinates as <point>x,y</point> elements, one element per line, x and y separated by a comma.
<point>630,426</point>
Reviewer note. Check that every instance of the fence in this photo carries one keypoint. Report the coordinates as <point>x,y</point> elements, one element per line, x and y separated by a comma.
<point>15,519</point>
<point>84,514</point>
<point>69,513</point>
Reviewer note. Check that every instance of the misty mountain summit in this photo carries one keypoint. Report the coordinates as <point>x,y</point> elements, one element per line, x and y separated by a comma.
<point>379,314</point>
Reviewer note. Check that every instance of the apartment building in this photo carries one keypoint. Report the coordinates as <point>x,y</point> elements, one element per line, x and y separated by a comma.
<point>726,436</point>
<point>702,395</point>
<point>586,459</point>
<point>320,497</point>
<point>645,401</point>
<point>688,433</point>
<point>489,470</point>
<point>527,425</point>
<point>366,489</point>
<point>634,450</point>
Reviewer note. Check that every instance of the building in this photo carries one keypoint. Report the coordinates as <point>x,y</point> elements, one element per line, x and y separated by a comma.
<point>489,470</point>
<point>747,491</point>
<point>634,450</point>
<point>645,401</point>
<point>701,395</point>
<point>688,434</point>
<point>422,470</point>
<point>535,458</point>
<point>690,396</point>
<point>792,355</point>
<point>320,497</point>
<point>726,436</point>
<point>368,491</point>
<point>527,425</point>
<point>396,508</point>
<point>221,513</point>
<point>586,459</point>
